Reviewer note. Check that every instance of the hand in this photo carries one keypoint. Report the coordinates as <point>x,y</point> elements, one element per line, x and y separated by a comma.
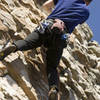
<point>59,24</point>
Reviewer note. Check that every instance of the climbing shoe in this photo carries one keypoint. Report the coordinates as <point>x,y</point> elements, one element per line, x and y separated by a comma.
<point>6,51</point>
<point>53,94</point>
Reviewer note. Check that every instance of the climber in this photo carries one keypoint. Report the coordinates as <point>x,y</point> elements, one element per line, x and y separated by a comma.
<point>52,34</point>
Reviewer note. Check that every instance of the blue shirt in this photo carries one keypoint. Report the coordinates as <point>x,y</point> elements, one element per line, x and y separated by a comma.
<point>72,12</point>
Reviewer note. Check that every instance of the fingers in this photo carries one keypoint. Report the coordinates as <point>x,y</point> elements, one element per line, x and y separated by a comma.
<point>59,24</point>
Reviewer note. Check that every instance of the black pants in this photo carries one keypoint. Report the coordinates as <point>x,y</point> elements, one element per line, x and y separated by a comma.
<point>55,45</point>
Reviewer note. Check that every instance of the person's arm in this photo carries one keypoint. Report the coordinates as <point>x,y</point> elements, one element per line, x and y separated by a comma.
<point>48,5</point>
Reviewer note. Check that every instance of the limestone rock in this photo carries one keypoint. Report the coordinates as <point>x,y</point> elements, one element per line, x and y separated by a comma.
<point>8,20</point>
<point>9,90</point>
<point>3,69</point>
<point>22,74</point>
<point>3,27</point>
<point>95,49</point>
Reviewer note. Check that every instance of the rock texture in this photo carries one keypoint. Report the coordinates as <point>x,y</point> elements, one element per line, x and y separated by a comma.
<point>22,74</point>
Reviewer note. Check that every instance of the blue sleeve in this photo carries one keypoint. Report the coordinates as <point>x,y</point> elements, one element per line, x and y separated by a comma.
<point>55,2</point>
<point>83,19</point>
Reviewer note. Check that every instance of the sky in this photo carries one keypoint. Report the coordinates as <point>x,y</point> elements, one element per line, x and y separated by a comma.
<point>94,19</point>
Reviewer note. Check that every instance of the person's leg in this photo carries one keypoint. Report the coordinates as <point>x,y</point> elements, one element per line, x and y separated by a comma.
<point>33,40</point>
<point>54,54</point>
<point>53,57</point>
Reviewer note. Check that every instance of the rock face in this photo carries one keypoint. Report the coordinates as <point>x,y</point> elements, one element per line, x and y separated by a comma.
<point>22,74</point>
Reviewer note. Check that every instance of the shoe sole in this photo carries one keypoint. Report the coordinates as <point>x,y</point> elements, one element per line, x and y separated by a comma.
<point>53,96</point>
<point>5,52</point>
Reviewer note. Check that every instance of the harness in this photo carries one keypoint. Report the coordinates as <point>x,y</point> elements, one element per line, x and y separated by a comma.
<point>45,26</point>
